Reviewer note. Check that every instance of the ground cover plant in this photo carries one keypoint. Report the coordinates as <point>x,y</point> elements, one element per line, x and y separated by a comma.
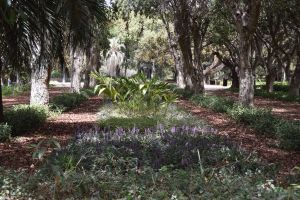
<point>158,163</point>
<point>261,120</point>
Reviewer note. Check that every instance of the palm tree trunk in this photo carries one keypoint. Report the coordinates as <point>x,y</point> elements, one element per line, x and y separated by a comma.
<point>39,90</point>
<point>77,65</point>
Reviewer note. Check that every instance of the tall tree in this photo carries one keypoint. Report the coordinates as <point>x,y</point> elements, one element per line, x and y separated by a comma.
<point>246,15</point>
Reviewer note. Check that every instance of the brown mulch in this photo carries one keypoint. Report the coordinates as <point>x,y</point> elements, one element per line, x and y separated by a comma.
<point>18,153</point>
<point>246,138</point>
<point>282,109</point>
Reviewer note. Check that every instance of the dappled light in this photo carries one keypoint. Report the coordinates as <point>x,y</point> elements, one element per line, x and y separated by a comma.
<point>149,99</point>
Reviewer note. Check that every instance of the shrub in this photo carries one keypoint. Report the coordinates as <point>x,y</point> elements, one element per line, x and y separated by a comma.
<point>68,101</point>
<point>23,118</point>
<point>289,135</point>
<point>184,93</point>
<point>261,120</point>
<point>128,123</point>
<point>88,92</point>
<point>217,104</point>
<point>5,132</point>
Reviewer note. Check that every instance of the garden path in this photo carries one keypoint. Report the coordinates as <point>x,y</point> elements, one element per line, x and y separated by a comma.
<point>246,138</point>
<point>18,153</point>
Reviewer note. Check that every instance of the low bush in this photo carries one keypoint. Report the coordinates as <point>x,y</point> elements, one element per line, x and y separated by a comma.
<point>23,118</point>
<point>289,135</point>
<point>5,132</point>
<point>277,95</point>
<point>184,93</point>
<point>217,104</point>
<point>261,120</point>
<point>88,92</point>
<point>68,101</point>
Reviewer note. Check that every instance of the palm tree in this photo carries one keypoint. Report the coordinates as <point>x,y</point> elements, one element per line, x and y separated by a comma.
<point>29,32</point>
<point>114,57</point>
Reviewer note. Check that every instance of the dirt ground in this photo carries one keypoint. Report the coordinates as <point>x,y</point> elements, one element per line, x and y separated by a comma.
<point>18,153</point>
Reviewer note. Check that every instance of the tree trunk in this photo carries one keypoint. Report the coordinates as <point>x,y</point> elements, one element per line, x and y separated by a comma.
<point>39,90</point>
<point>49,75</point>
<point>235,78</point>
<point>192,68</point>
<point>272,73</point>
<point>295,82</point>
<point>1,101</point>
<point>180,80</point>
<point>246,89</point>
<point>270,79</point>
<point>77,66</point>
<point>63,73</point>
<point>87,78</point>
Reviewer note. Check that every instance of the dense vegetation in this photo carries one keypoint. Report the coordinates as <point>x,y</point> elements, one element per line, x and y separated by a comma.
<point>142,57</point>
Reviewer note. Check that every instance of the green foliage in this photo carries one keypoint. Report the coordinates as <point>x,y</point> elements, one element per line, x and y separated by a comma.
<point>184,93</point>
<point>277,95</point>
<point>159,164</point>
<point>136,95</point>
<point>23,118</point>
<point>289,134</point>
<point>261,120</point>
<point>5,132</point>
<point>128,123</point>
<point>55,74</point>
<point>14,89</point>
<point>87,92</point>
<point>215,103</point>
<point>68,101</point>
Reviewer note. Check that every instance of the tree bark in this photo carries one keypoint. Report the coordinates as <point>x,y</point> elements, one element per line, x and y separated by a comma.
<point>49,75</point>
<point>272,73</point>
<point>192,68</point>
<point>295,82</point>
<point>246,21</point>
<point>1,101</point>
<point>246,89</point>
<point>180,80</point>
<point>235,78</point>
<point>39,90</point>
<point>77,66</point>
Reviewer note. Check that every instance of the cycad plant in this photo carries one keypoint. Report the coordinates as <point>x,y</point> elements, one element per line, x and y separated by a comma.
<point>136,95</point>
